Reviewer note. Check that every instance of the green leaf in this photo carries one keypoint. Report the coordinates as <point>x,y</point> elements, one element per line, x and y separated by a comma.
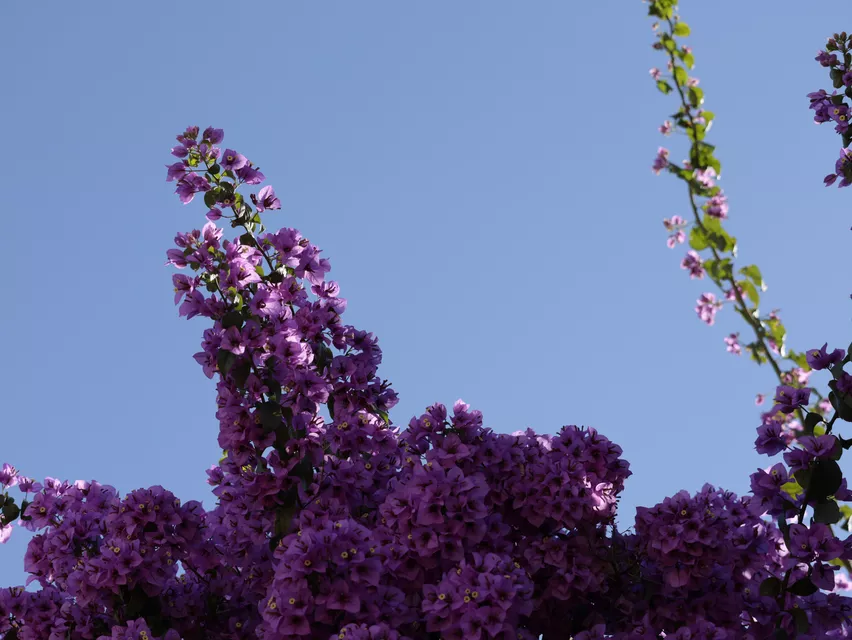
<point>753,273</point>
<point>770,587</point>
<point>827,512</point>
<point>792,489</point>
<point>696,133</point>
<point>664,86</point>
<point>696,96</point>
<point>680,75</point>
<point>210,198</point>
<point>240,372</point>
<point>698,239</point>
<point>801,618</point>
<point>232,319</point>
<point>681,29</point>
<point>750,290</point>
<point>825,480</point>
<point>668,42</point>
<point>719,269</point>
<point>688,60</point>
<point>225,360</point>
<point>268,415</point>
<point>10,510</point>
<point>811,421</point>
<point>803,587</point>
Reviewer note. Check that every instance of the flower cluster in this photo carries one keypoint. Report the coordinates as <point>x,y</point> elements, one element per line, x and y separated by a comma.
<point>833,107</point>
<point>331,522</point>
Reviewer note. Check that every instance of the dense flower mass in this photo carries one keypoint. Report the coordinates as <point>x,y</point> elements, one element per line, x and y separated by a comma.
<point>331,522</point>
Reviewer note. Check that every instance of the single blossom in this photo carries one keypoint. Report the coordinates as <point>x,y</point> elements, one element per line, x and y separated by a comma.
<point>693,262</point>
<point>788,399</point>
<point>732,343</point>
<point>820,358</point>
<point>661,161</point>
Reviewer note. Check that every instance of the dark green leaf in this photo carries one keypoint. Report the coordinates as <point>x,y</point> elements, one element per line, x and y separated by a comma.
<point>827,512</point>
<point>247,240</point>
<point>811,421</point>
<point>269,415</point>
<point>770,587</point>
<point>825,480</point>
<point>211,198</point>
<point>225,360</point>
<point>801,618</point>
<point>664,86</point>
<point>240,373</point>
<point>330,405</point>
<point>10,511</point>
<point>232,319</point>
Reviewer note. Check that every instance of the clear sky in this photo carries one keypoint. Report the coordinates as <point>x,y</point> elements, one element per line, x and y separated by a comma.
<point>478,174</point>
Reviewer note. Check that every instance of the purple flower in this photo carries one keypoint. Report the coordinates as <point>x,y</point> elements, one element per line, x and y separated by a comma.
<point>788,399</point>
<point>826,59</point>
<point>213,136</point>
<point>189,186</point>
<point>231,160</point>
<point>661,161</point>
<point>820,358</point>
<point>249,175</point>
<point>819,446</point>
<point>176,171</point>
<point>733,344</point>
<point>692,261</point>
<point>717,206</point>
<point>265,199</point>
<point>770,439</point>
<point>8,475</point>
<point>707,308</point>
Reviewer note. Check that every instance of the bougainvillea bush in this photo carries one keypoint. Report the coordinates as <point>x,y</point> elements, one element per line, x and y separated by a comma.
<point>332,522</point>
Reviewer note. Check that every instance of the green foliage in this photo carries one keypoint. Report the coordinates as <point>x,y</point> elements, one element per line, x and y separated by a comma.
<point>681,29</point>
<point>752,272</point>
<point>664,86</point>
<point>827,512</point>
<point>696,96</point>
<point>719,269</point>
<point>770,587</point>
<point>663,9</point>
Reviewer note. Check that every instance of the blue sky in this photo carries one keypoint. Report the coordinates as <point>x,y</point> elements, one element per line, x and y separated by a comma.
<point>477,173</point>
